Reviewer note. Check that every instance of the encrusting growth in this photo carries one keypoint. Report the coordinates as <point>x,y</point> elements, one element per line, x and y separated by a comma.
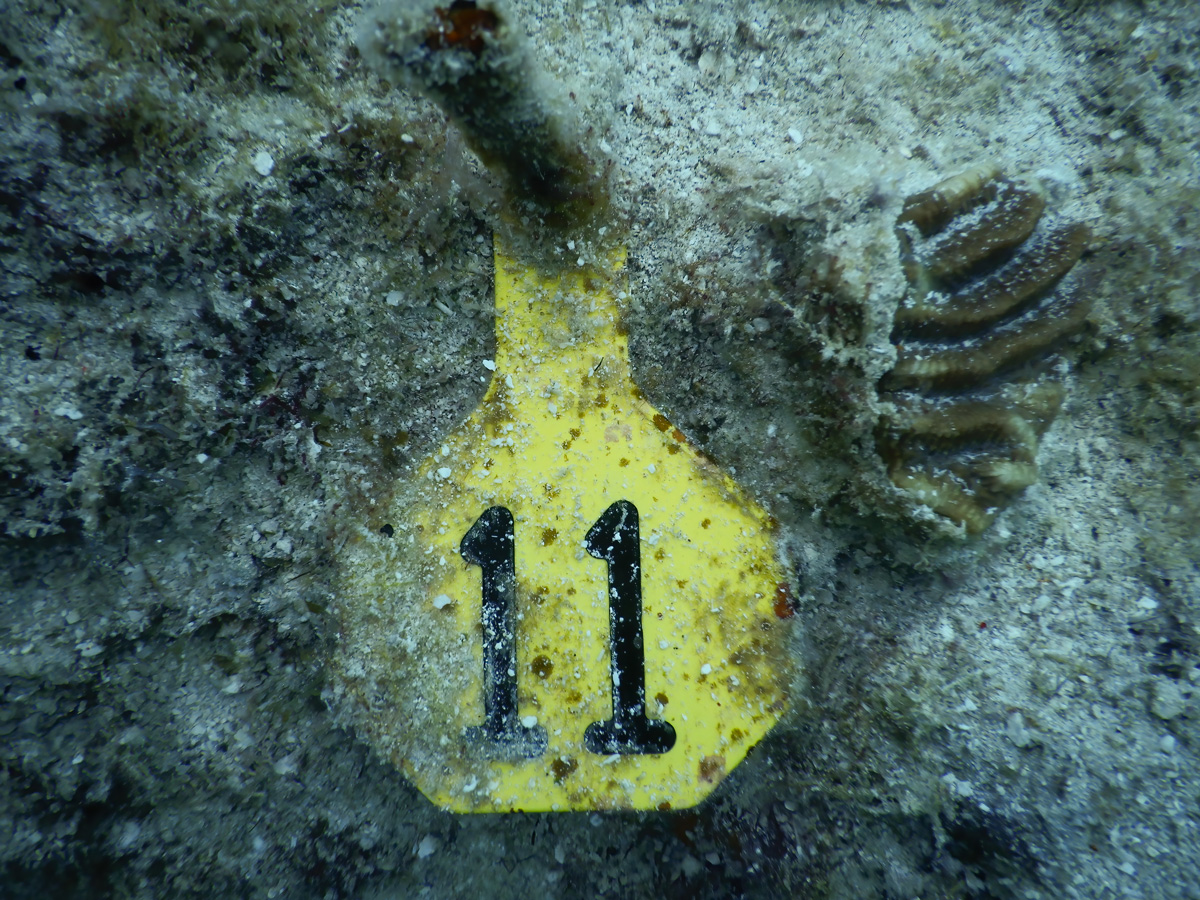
<point>469,59</point>
<point>986,310</point>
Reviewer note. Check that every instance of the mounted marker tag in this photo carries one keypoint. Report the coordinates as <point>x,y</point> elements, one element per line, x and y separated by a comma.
<point>572,608</point>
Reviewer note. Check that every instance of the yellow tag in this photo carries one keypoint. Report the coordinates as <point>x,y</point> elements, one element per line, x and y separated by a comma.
<point>569,607</point>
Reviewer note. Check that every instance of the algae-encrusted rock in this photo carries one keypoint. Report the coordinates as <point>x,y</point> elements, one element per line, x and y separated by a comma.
<point>471,61</point>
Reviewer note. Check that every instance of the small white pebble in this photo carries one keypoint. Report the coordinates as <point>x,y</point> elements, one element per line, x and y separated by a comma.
<point>68,412</point>
<point>490,365</point>
<point>1018,731</point>
<point>705,669</point>
<point>650,468</point>
<point>428,846</point>
<point>201,457</point>
<point>394,297</point>
<point>441,601</point>
<point>443,472</point>
<point>529,721</point>
<point>1168,700</point>
<point>796,135</point>
<point>287,765</point>
<point>406,138</point>
<point>263,163</point>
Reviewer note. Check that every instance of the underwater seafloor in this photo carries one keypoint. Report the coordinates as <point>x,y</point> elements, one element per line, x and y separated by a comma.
<point>244,283</point>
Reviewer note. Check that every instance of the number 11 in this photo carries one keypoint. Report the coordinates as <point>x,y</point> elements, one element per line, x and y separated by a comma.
<point>615,538</point>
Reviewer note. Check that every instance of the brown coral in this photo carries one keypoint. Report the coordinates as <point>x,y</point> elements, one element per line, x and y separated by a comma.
<point>986,310</point>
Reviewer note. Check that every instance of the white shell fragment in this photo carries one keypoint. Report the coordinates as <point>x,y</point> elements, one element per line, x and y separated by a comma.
<point>263,163</point>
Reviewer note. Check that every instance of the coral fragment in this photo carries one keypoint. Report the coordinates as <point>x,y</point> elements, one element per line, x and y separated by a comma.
<point>985,313</point>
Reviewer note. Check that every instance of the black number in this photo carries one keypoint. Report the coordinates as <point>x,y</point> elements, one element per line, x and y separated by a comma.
<point>616,538</point>
<point>489,545</point>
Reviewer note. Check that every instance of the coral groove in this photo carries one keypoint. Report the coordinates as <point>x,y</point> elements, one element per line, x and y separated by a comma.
<point>988,306</point>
